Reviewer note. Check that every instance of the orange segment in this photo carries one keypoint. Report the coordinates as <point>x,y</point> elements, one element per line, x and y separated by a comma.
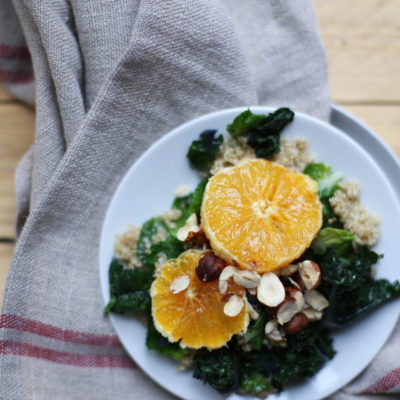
<point>195,316</point>
<point>260,214</point>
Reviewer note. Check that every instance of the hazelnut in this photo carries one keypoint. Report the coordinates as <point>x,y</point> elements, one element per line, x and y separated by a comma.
<point>209,267</point>
<point>296,324</point>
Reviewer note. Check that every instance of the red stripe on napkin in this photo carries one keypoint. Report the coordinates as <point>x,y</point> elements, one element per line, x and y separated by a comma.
<point>16,76</point>
<point>78,360</point>
<point>9,321</point>
<point>386,383</point>
<point>14,52</point>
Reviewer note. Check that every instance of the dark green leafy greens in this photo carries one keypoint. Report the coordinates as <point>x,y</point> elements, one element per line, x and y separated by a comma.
<point>348,284</point>
<point>202,152</point>
<point>262,131</point>
<point>197,198</point>
<point>219,368</point>
<point>155,341</point>
<point>327,237</point>
<point>258,371</point>
<point>328,182</point>
<point>128,289</point>
<point>148,250</point>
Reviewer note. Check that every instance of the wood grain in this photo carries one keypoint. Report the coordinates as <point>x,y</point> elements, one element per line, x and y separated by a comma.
<point>384,120</point>
<point>16,135</point>
<point>4,95</point>
<point>363,47</point>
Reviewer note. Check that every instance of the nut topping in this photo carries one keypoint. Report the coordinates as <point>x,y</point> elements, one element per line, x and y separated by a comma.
<point>191,225</point>
<point>270,291</point>
<point>233,306</point>
<point>179,284</point>
<point>310,274</point>
<point>209,267</point>
<point>293,303</point>
<point>296,324</point>
<point>316,300</point>
<point>288,270</point>
<point>273,332</point>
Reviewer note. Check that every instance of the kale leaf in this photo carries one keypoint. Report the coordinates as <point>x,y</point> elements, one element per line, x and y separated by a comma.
<point>262,131</point>
<point>254,383</point>
<point>128,289</point>
<point>327,237</point>
<point>243,123</point>
<point>328,182</point>
<point>348,284</point>
<point>202,152</point>
<point>256,332</point>
<point>264,138</point>
<point>218,368</point>
<point>155,341</point>
<point>138,302</point>
<point>197,198</point>
<point>304,355</point>
<point>183,205</point>
<point>148,249</point>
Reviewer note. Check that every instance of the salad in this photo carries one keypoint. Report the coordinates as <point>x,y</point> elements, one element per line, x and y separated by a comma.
<point>251,325</point>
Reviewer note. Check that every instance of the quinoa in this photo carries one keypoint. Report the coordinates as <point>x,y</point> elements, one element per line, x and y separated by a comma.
<point>125,247</point>
<point>353,215</point>
<point>170,216</point>
<point>294,154</point>
<point>231,153</point>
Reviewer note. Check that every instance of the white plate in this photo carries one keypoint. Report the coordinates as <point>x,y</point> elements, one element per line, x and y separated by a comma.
<point>147,190</point>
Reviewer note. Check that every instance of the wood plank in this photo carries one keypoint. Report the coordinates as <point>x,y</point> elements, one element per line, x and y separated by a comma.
<point>16,135</point>
<point>363,48</point>
<point>6,251</point>
<point>384,120</point>
<point>4,95</point>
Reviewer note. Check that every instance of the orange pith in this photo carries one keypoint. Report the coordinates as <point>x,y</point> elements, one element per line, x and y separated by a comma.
<point>260,214</point>
<point>194,316</point>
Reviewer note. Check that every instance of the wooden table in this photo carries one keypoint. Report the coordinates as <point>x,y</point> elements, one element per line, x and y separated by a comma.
<point>363,47</point>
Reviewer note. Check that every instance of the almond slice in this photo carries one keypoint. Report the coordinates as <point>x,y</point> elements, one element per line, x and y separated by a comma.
<point>179,284</point>
<point>310,274</point>
<point>270,291</point>
<point>233,306</point>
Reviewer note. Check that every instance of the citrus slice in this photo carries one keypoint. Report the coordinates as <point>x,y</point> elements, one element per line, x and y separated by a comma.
<point>260,215</point>
<point>195,315</point>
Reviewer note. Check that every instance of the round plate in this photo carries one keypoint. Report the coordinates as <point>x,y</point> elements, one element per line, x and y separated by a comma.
<point>148,189</point>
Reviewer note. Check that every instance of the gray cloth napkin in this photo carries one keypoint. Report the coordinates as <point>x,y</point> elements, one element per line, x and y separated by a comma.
<point>112,77</point>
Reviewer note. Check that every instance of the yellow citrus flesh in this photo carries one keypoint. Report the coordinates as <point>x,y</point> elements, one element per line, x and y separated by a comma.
<point>260,215</point>
<point>194,316</point>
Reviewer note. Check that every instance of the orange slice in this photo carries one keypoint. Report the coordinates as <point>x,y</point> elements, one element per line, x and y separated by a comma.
<point>194,316</point>
<point>260,215</point>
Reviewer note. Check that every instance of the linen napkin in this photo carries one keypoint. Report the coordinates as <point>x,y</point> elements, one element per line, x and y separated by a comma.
<point>111,78</point>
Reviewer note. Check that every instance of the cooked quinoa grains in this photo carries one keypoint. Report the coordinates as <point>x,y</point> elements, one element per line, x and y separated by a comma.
<point>232,152</point>
<point>294,154</point>
<point>353,215</point>
<point>126,245</point>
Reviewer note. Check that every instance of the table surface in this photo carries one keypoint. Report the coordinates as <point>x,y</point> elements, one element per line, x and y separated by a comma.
<point>363,48</point>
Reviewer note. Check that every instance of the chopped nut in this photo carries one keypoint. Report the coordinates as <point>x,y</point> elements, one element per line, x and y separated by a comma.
<point>310,274</point>
<point>209,267</point>
<point>273,332</point>
<point>296,324</point>
<point>179,284</point>
<point>270,291</point>
<point>288,270</point>
<point>294,302</point>
<point>233,306</point>
<point>311,314</point>
<point>191,225</point>
<point>226,274</point>
<point>316,300</point>
<point>252,312</point>
<point>247,279</point>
